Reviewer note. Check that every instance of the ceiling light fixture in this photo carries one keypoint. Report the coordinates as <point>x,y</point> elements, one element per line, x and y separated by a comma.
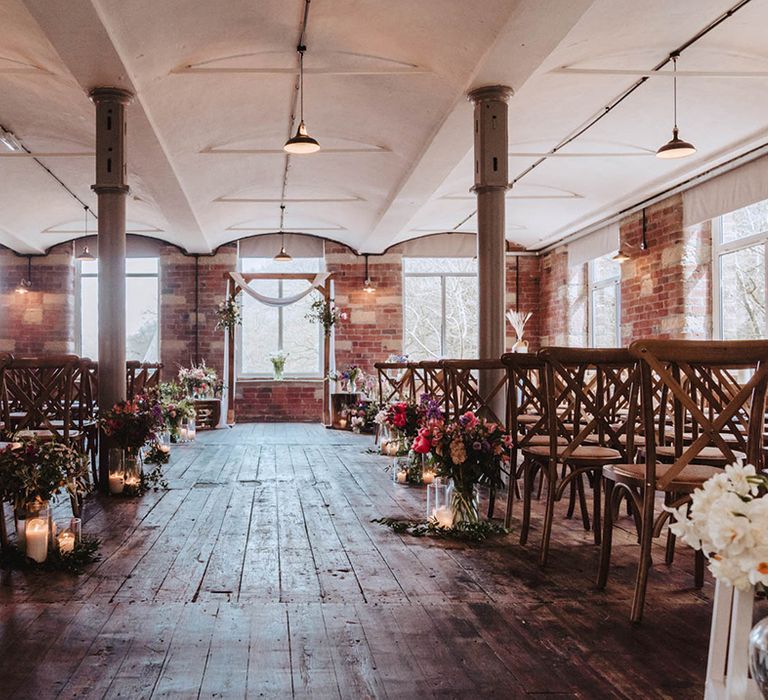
<point>368,286</point>
<point>85,254</point>
<point>302,142</point>
<point>25,285</point>
<point>282,256</point>
<point>621,257</point>
<point>9,140</point>
<point>675,147</point>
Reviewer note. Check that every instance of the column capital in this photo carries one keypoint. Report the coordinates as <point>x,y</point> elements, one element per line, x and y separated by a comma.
<point>111,189</point>
<point>110,94</point>
<point>490,93</point>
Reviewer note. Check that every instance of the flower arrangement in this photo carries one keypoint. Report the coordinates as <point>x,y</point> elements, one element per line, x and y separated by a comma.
<point>278,360</point>
<point>38,471</point>
<point>349,378</point>
<point>394,358</point>
<point>228,314</point>
<point>727,519</point>
<point>199,381</point>
<point>471,451</point>
<point>175,407</point>
<point>403,418</point>
<point>131,424</point>
<point>326,313</point>
<point>358,416</point>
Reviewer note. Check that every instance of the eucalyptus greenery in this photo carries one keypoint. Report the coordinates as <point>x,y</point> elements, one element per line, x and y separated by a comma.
<point>153,480</point>
<point>326,313</point>
<point>463,530</point>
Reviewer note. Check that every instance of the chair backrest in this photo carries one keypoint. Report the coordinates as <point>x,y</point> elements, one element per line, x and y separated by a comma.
<point>527,398</point>
<point>433,381</point>
<point>140,376</point>
<point>38,394</point>
<point>396,381</point>
<point>707,401</point>
<point>466,392</point>
<point>591,398</point>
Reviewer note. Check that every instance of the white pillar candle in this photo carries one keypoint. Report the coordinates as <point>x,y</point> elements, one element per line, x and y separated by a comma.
<point>402,475</point>
<point>184,435</point>
<point>164,448</point>
<point>444,516</point>
<point>37,539</point>
<point>116,483</point>
<point>66,542</point>
<point>342,422</point>
<point>428,476</point>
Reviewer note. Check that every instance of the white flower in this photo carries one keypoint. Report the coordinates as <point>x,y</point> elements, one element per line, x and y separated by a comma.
<point>728,571</point>
<point>381,417</point>
<point>738,475</point>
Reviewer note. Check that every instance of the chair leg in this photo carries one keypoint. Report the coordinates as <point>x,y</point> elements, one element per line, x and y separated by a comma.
<point>491,502</point>
<point>525,526</point>
<point>549,513</point>
<point>644,567</point>
<point>605,545</point>
<point>582,502</point>
<point>596,507</point>
<point>698,568</point>
<point>571,500</point>
<point>511,493</point>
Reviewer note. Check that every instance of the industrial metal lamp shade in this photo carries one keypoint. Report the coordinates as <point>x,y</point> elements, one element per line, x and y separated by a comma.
<point>85,254</point>
<point>24,286</point>
<point>283,256</point>
<point>676,147</point>
<point>301,143</point>
<point>368,287</point>
<point>620,257</point>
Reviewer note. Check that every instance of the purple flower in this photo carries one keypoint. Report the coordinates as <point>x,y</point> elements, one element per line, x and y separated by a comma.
<point>477,446</point>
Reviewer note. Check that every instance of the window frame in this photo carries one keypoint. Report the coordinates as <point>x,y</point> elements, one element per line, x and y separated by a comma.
<point>595,286</point>
<point>719,250</point>
<point>443,277</point>
<point>79,274</point>
<point>267,376</point>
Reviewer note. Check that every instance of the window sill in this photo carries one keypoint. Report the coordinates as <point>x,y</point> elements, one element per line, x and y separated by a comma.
<point>287,380</point>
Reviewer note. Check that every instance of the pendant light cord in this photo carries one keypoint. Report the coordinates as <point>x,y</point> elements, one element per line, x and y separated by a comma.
<point>301,51</point>
<point>674,58</point>
<point>282,221</point>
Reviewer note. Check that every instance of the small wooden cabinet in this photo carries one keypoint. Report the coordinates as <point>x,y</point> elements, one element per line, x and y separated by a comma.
<point>207,413</point>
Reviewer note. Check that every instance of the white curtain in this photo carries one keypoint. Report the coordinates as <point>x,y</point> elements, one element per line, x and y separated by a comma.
<point>594,245</point>
<point>319,281</point>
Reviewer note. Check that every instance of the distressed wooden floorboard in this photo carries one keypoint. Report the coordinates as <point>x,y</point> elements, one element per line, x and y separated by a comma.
<point>260,573</point>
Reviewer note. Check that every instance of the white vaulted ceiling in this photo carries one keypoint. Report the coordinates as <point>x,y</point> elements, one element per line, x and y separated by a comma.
<point>385,96</point>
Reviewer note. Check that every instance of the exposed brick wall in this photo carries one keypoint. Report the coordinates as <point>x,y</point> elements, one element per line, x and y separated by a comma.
<point>530,272</point>
<point>177,307</point>
<point>288,400</point>
<point>42,321</point>
<point>374,329</point>
<point>666,289</point>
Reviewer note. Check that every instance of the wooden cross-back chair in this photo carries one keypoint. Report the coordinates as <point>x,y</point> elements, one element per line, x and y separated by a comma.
<point>465,393</point>
<point>689,371</point>
<point>433,381</point>
<point>583,388</point>
<point>38,397</point>
<point>396,381</point>
<point>140,376</point>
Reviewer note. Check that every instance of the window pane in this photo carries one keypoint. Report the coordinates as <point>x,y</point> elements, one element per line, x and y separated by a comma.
<point>141,331</point>
<point>742,294</point>
<point>89,317</point>
<point>301,339</point>
<point>145,266</point>
<point>440,265</point>
<point>422,317</point>
<point>141,322</point>
<point>259,332</point>
<point>461,317</point>
<point>745,222</point>
<point>605,268</point>
<point>605,309</point>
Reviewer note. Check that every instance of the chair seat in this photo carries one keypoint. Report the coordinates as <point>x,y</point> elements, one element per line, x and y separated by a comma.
<point>583,453</point>
<point>42,434</point>
<point>639,440</point>
<point>710,455</point>
<point>528,418</point>
<point>538,440</point>
<point>692,476</point>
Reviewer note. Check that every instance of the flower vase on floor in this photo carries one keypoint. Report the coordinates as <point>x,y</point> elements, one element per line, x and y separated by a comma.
<point>133,472</point>
<point>758,655</point>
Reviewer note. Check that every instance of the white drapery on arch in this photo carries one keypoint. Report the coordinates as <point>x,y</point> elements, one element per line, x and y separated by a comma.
<point>316,283</point>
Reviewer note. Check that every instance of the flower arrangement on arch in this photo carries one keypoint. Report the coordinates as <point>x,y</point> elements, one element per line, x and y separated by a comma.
<point>199,381</point>
<point>228,314</point>
<point>131,424</point>
<point>326,313</point>
<point>727,519</point>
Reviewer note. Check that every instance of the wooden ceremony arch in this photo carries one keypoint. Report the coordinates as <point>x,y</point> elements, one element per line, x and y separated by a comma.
<point>233,289</point>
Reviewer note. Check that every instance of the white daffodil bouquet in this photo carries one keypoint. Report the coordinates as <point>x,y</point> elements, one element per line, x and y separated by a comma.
<point>727,518</point>
<point>518,319</point>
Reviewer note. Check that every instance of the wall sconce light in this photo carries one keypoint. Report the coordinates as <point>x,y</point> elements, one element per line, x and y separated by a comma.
<point>368,286</point>
<point>25,285</point>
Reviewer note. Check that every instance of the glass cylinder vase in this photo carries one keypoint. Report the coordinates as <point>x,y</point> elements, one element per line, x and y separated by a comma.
<point>133,472</point>
<point>116,461</point>
<point>33,528</point>
<point>758,655</point>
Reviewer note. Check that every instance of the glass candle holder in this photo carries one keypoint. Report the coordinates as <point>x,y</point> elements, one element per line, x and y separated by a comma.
<point>66,541</point>
<point>438,495</point>
<point>36,535</point>
<point>76,528</point>
<point>400,470</point>
<point>132,473</point>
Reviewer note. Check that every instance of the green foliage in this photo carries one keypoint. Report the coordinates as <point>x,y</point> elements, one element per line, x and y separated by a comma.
<point>74,562</point>
<point>325,313</point>
<point>153,480</point>
<point>465,531</point>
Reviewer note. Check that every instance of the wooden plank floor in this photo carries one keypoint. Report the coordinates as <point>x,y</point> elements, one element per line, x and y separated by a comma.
<point>259,574</point>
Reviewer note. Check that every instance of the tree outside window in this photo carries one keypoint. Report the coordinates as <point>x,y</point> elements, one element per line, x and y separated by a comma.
<point>604,302</point>
<point>440,308</point>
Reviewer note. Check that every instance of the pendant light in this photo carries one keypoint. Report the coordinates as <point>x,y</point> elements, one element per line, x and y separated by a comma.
<point>282,256</point>
<point>85,254</point>
<point>302,142</point>
<point>368,286</point>
<point>25,285</point>
<point>675,147</point>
